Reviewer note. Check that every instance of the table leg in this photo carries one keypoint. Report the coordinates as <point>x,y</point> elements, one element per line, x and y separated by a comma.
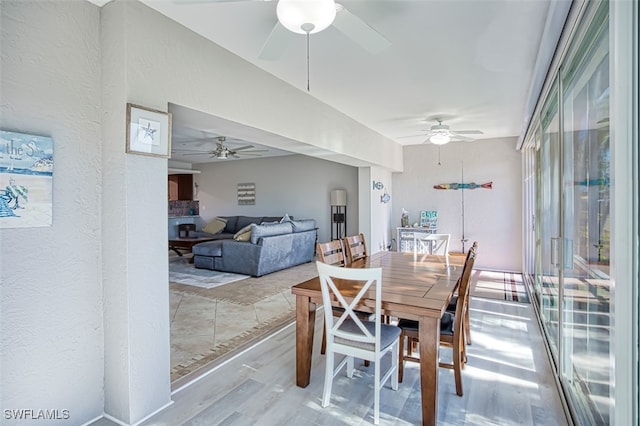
<point>429,337</point>
<point>305,322</point>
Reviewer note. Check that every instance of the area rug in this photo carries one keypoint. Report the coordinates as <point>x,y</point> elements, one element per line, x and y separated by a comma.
<point>499,285</point>
<point>183,272</point>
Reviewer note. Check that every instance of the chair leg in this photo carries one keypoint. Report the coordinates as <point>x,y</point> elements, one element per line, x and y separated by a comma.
<point>350,368</point>
<point>328,380</point>
<point>323,347</point>
<point>395,355</point>
<point>376,391</point>
<point>467,328</point>
<point>401,360</point>
<point>457,364</point>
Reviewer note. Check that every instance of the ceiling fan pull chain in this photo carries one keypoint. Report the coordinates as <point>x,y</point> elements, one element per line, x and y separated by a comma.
<point>307,61</point>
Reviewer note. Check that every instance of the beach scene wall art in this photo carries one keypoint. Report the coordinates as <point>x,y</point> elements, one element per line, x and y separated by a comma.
<point>26,175</point>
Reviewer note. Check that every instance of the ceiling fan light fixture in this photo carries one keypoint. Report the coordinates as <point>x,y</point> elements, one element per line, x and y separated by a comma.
<point>440,139</point>
<point>306,16</point>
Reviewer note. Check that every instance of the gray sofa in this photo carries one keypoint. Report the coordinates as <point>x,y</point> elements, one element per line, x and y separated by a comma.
<point>272,247</point>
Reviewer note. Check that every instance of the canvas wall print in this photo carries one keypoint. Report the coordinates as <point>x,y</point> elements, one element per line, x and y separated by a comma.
<point>26,175</point>
<point>246,193</point>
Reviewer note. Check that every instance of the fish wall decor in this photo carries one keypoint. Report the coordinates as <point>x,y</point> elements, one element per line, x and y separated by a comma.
<point>471,185</point>
<point>385,198</point>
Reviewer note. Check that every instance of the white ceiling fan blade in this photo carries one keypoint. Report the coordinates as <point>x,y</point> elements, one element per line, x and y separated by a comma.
<point>424,134</point>
<point>242,147</point>
<point>455,137</point>
<point>357,30</point>
<point>276,43</point>
<point>467,132</point>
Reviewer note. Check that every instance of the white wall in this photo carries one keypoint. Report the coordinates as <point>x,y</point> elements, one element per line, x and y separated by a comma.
<point>493,217</point>
<point>51,325</point>
<point>293,184</point>
<point>377,214</point>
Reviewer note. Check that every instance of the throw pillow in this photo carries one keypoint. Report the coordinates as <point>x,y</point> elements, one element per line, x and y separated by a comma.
<point>215,226</point>
<point>244,234</point>
<point>285,218</point>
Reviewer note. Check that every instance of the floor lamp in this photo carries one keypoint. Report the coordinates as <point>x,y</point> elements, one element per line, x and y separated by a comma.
<point>338,214</point>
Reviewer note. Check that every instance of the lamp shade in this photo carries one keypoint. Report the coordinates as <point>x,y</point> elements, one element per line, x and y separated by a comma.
<point>338,197</point>
<point>302,16</point>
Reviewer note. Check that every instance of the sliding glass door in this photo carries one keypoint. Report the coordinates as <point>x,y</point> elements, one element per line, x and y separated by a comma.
<point>586,361</point>
<point>572,286</point>
<point>547,287</point>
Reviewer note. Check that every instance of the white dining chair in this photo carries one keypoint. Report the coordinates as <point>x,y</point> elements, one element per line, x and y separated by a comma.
<point>351,336</point>
<point>432,244</point>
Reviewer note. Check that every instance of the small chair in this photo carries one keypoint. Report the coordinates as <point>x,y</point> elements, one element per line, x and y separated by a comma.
<point>349,335</point>
<point>432,244</point>
<point>332,253</point>
<point>451,329</point>
<point>355,247</point>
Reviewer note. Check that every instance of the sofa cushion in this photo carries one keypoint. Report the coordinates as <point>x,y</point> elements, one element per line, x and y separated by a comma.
<point>269,229</point>
<point>231,224</point>
<point>244,221</point>
<point>244,234</point>
<point>270,219</point>
<point>215,226</point>
<point>210,248</point>
<point>303,225</point>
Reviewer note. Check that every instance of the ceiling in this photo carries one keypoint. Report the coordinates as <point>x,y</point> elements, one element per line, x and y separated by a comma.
<point>475,64</point>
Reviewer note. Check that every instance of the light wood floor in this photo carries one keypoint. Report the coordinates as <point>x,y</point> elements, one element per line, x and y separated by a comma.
<point>507,381</point>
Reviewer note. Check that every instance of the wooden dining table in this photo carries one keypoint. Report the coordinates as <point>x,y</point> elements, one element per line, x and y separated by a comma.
<point>414,286</point>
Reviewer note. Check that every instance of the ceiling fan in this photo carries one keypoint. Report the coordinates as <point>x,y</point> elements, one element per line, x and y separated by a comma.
<point>310,17</point>
<point>441,134</point>
<point>222,152</point>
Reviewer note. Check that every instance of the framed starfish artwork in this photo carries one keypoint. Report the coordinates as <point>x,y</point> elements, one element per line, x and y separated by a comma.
<point>148,131</point>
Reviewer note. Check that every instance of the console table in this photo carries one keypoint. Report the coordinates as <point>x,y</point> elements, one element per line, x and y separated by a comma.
<point>405,237</point>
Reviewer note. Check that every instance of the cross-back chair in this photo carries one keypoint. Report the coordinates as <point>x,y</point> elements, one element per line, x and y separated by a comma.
<point>432,244</point>
<point>332,253</point>
<point>451,329</point>
<point>356,247</point>
<point>351,336</point>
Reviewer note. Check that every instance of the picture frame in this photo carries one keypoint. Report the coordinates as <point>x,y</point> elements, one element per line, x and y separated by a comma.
<point>26,180</point>
<point>148,131</point>
<point>246,194</point>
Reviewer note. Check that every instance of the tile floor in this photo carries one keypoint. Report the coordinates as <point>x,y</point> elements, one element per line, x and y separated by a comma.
<point>207,324</point>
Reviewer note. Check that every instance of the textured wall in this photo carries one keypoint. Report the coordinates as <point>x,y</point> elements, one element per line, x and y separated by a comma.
<point>381,219</point>
<point>293,184</point>
<point>51,294</point>
<point>493,217</point>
